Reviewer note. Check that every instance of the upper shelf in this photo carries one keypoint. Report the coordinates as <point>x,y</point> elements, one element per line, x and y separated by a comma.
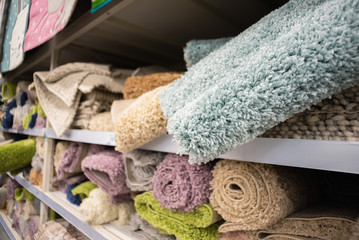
<point>132,33</point>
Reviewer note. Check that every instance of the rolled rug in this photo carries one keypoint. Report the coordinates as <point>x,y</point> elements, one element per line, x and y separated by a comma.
<point>252,196</point>
<point>140,123</point>
<point>53,229</point>
<point>106,169</point>
<point>24,225</point>
<point>22,194</point>
<point>238,235</point>
<point>70,164</point>
<point>125,211</point>
<point>8,117</point>
<point>73,198</point>
<point>96,209</point>
<point>140,165</point>
<point>102,122</point>
<point>35,178</point>
<point>135,86</point>
<point>60,149</point>
<point>40,146</point>
<point>195,50</point>
<point>257,80</point>
<point>63,184</point>
<point>11,186</point>
<point>142,228</point>
<point>34,224</point>
<point>16,155</point>
<point>199,224</point>
<point>83,189</point>
<point>40,122</point>
<point>179,186</point>
<point>37,162</point>
<point>323,221</point>
<point>121,198</point>
<point>8,91</point>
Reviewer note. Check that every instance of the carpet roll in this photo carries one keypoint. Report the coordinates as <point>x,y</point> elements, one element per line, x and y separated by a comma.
<point>40,147</point>
<point>135,86</point>
<point>34,224</point>
<point>3,197</point>
<point>106,169</point>
<point>63,184</point>
<point>73,198</point>
<point>35,178</point>
<point>143,229</point>
<point>16,155</point>
<point>101,122</point>
<point>11,186</point>
<point>8,91</point>
<point>252,196</point>
<point>140,123</point>
<point>324,221</point>
<point>70,164</point>
<point>125,210</point>
<point>179,186</point>
<point>83,189</point>
<point>140,165</point>
<point>97,209</point>
<point>264,76</point>
<point>22,194</point>
<point>199,224</point>
<point>60,149</point>
<point>195,50</point>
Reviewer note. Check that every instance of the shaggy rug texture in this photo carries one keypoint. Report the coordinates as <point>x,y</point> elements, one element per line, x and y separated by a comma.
<point>97,208</point>
<point>252,196</point>
<point>125,211</point>
<point>60,149</point>
<point>35,177</point>
<point>16,155</point>
<point>60,90</point>
<point>291,59</point>
<point>70,164</point>
<point>58,229</point>
<point>37,163</point>
<point>83,189</point>
<point>140,165</point>
<point>101,122</point>
<point>106,169</point>
<point>195,50</point>
<point>34,224</point>
<point>22,194</point>
<point>135,86</point>
<point>179,186</point>
<point>140,123</point>
<point>199,224</point>
<point>11,186</point>
<point>73,198</point>
<point>143,229</point>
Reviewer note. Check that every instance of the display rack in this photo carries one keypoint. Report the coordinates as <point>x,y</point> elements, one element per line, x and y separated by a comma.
<point>30,132</point>
<point>5,222</point>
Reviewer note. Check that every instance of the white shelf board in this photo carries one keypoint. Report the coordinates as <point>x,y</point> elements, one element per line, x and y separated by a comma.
<point>39,132</point>
<point>86,136</point>
<point>57,201</point>
<point>5,222</point>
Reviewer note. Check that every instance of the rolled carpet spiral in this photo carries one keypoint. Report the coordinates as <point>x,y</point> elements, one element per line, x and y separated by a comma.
<point>143,229</point>
<point>140,165</point>
<point>177,185</point>
<point>140,123</point>
<point>252,196</point>
<point>70,164</point>
<point>197,225</point>
<point>135,86</point>
<point>16,155</point>
<point>106,169</point>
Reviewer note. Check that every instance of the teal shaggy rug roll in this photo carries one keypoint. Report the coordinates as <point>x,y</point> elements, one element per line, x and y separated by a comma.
<point>16,155</point>
<point>293,58</point>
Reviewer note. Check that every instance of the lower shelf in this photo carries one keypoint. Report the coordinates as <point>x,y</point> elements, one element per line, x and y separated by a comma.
<point>57,201</point>
<point>5,222</point>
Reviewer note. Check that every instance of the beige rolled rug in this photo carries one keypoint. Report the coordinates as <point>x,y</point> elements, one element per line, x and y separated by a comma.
<point>59,152</point>
<point>135,86</point>
<point>101,122</point>
<point>252,196</point>
<point>140,123</point>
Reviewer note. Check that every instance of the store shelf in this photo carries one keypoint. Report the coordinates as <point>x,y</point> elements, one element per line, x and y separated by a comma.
<point>40,132</point>
<point>5,222</point>
<point>57,201</point>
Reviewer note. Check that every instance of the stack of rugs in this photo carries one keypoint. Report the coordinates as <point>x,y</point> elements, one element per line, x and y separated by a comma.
<point>37,162</point>
<point>21,109</point>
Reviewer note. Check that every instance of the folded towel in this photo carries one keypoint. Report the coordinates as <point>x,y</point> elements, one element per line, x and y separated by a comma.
<point>195,50</point>
<point>252,196</point>
<point>324,221</point>
<point>177,185</point>
<point>142,228</point>
<point>140,165</point>
<point>83,189</point>
<point>125,211</point>
<point>22,194</point>
<point>37,162</point>
<point>140,123</point>
<point>73,198</point>
<point>135,86</point>
<point>59,152</point>
<point>16,155</point>
<point>8,91</point>
<point>11,186</point>
<point>34,224</point>
<point>70,164</point>
<point>185,226</point>
<point>96,209</point>
<point>47,18</point>
<point>106,169</point>
<point>60,90</point>
<point>101,122</point>
<point>35,177</point>
<point>245,88</point>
